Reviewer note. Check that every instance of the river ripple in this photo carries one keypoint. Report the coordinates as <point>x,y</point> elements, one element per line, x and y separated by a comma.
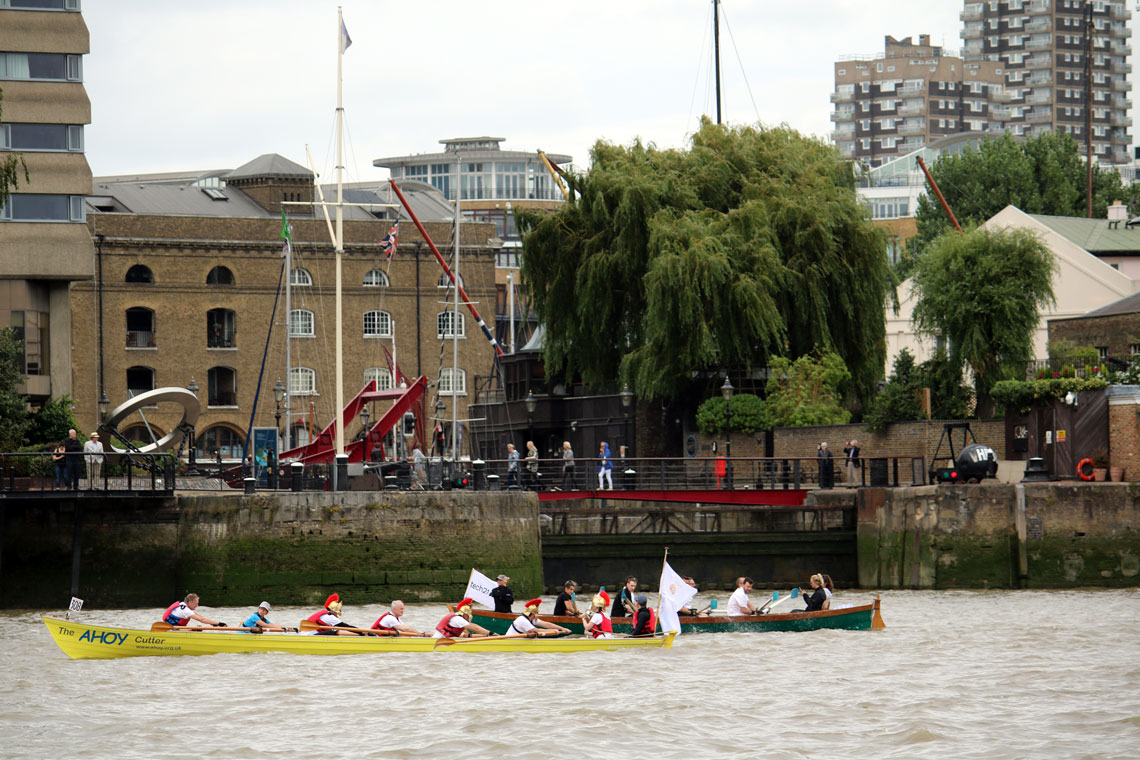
<point>955,674</point>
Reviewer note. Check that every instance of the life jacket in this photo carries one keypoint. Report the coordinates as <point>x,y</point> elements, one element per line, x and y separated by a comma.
<point>316,616</point>
<point>648,629</point>
<point>377,627</point>
<point>450,632</point>
<point>603,627</point>
<point>168,616</point>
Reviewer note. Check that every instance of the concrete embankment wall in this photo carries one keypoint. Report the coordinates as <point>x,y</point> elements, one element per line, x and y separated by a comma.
<point>287,548</point>
<point>1034,535</point>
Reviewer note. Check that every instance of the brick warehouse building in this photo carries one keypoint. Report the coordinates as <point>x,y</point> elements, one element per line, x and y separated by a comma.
<point>189,272</point>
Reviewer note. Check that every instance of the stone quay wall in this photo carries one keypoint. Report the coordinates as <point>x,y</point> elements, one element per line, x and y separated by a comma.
<point>234,549</point>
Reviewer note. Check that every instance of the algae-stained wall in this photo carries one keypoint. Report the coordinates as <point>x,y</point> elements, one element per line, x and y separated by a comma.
<point>287,548</point>
<point>1056,535</point>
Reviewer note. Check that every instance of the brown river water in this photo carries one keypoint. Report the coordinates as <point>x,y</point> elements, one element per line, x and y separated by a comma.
<point>997,674</point>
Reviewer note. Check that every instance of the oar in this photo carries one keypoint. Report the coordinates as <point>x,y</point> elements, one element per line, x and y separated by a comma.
<point>793,595</point>
<point>764,607</point>
<point>163,627</point>
<point>309,625</point>
<point>445,641</point>
<point>711,606</point>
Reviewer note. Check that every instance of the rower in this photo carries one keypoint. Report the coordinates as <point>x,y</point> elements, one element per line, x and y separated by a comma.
<point>181,613</point>
<point>644,620</point>
<point>738,603</point>
<point>528,623</point>
<point>596,622</point>
<point>391,623</point>
<point>330,616</point>
<point>259,621</point>
<point>458,623</point>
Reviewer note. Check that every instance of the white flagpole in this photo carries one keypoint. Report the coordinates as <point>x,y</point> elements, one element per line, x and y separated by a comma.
<point>339,252</point>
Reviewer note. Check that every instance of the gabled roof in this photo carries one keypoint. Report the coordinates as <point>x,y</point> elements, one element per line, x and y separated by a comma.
<point>270,165</point>
<point>1094,235</point>
<point>1127,305</point>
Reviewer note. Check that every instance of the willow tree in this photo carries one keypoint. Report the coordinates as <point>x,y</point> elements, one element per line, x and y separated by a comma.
<point>983,292</point>
<point>749,244</point>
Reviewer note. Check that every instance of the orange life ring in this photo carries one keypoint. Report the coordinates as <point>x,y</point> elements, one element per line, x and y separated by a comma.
<point>1085,469</point>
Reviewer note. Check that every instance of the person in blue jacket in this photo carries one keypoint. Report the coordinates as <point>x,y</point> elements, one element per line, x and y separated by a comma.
<point>605,468</point>
<point>259,621</point>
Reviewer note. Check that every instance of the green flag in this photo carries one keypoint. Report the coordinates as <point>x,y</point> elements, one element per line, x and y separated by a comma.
<point>286,234</point>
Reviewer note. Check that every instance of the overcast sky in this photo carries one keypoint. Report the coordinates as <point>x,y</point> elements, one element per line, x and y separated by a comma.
<point>214,83</point>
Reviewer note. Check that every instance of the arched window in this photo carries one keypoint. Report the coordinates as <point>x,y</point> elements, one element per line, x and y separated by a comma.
<point>443,324</point>
<point>445,282</point>
<point>301,323</point>
<point>382,377</point>
<point>376,278</point>
<point>377,324</point>
<point>140,327</point>
<point>139,433</point>
<point>452,382</point>
<point>139,273</point>
<point>220,276</point>
<point>221,328</point>
<point>300,276</point>
<point>222,387</point>
<point>302,381</point>
<point>219,440</point>
<point>139,380</point>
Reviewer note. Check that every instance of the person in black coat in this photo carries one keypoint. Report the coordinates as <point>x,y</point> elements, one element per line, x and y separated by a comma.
<point>818,595</point>
<point>503,595</point>
<point>826,466</point>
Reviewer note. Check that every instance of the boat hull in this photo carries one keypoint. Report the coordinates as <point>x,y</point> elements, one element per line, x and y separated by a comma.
<point>88,642</point>
<point>858,618</point>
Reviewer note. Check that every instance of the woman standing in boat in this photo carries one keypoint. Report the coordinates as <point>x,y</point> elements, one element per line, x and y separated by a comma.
<point>527,624</point>
<point>596,622</point>
<point>181,613</point>
<point>458,623</point>
<point>330,617</point>
<point>818,595</point>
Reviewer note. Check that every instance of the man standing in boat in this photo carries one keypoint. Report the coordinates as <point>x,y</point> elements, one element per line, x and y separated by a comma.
<point>330,618</point>
<point>259,621</point>
<point>738,603</point>
<point>527,624</point>
<point>503,595</point>
<point>392,623</point>
<point>457,624</point>
<point>181,613</point>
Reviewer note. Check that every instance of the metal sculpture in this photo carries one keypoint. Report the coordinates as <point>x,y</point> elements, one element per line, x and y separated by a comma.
<point>176,436</point>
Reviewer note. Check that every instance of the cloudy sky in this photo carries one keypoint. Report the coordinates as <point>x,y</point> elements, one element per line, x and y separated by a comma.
<point>214,83</point>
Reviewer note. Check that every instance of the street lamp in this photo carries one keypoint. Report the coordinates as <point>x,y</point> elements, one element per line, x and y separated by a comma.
<point>278,397</point>
<point>440,408</point>
<point>193,464</point>
<point>104,406</point>
<point>726,391</point>
<point>626,402</point>
<point>531,404</point>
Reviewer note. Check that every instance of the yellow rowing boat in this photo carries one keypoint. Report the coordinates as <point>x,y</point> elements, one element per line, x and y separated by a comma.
<point>91,642</point>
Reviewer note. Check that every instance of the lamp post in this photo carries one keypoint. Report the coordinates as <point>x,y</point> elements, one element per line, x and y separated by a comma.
<point>726,391</point>
<point>104,406</point>
<point>626,406</point>
<point>531,404</point>
<point>193,461</point>
<point>271,460</point>
<point>439,410</point>
<point>278,397</point>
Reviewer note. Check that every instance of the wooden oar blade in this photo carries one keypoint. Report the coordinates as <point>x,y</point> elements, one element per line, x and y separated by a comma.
<point>160,627</point>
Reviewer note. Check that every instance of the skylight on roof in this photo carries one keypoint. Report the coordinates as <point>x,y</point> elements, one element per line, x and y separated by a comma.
<point>214,194</point>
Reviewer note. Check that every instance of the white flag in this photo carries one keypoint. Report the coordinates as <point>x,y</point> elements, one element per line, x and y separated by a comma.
<point>345,40</point>
<point>479,588</point>
<point>675,594</point>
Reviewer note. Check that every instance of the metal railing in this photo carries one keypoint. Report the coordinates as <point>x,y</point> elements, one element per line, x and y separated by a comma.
<point>140,338</point>
<point>41,473</point>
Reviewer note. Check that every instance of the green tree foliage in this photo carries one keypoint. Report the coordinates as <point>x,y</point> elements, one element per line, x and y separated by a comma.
<point>899,400</point>
<point>748,245</point>
<point>10,166</point>
<point>949,396</point>
<point>748,414</point>
<point>51,422</point>
<point>1042,175</point>
<point>1020,395</point>
<point>13,410</point>
<point>806,391</point>
<point>982,292</point>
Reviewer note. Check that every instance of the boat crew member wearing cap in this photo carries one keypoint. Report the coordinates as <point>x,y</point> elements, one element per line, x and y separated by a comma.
<point>259,621</point>
<point>644,620</point>
<point>330,616</point>
<point>503,595</point>
<point>596,622</point>
<point>181,613</point>
<point>391,623</point>
<point>528,623</point>
<point>564,604</point>
<point>458,623</point>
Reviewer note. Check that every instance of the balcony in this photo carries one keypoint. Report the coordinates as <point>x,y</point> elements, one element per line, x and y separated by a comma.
<point>1121,102</point>
<point>842,115</point>
<point>1119,12</point>
<point>1121,84</point>
<point>1038,25</point>
<point>1039,115</point>
<point>1040,97</point>
<point>971,13</point>
<point>1037,6</point>
<point>1039,44</point>
<point>140,339</point>
<point>912,128</point>
<point>910,91</point>
<point>1122,68</point>
<point>910,110</point>
<point>842,97</point>
<point>1038,62</point>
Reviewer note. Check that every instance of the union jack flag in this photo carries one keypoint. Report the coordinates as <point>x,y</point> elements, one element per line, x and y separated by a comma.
<point>389,241</point>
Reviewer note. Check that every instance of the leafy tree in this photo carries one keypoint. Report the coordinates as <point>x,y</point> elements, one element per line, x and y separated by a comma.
<point>806,391</point>
<point>950,397</point>
<point>1042,175</point>
<point>899,400</point>
<point>982,292</point>
<point>748,245</point>
<point>10,167</point>
<point>748,414</point>
<point>13,410</point>
<point>52,421</point>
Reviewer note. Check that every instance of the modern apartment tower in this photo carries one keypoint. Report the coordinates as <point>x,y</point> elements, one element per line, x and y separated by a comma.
<point>892,104</point>
<point>44,243</point>
<point>1040,46</point>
